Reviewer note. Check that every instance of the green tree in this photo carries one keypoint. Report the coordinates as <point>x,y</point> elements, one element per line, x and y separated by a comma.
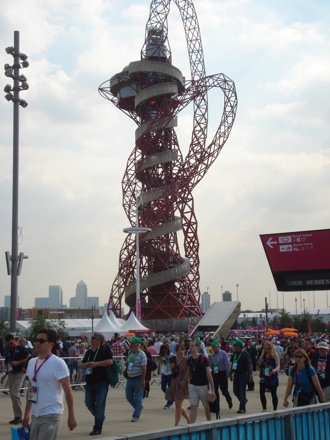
<point>38,323</point>
<point>318,325</point>
<point>284,319</point>
<point>4,329</point>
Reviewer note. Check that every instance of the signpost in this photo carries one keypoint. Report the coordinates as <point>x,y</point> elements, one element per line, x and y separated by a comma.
<point>299,261</point>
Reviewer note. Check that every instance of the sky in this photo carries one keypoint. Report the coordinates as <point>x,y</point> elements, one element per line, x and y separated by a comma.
<point>273,175</point>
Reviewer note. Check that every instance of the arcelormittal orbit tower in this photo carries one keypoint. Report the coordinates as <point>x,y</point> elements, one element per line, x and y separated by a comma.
<point>158,181</point>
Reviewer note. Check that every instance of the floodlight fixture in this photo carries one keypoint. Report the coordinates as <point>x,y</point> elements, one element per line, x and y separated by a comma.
<point>24,86</point>
<point>22,78</point>
<point>8,70</point>
<point>8,262</point>
<point>9,97</point>
<point>10,50</point>
<point>7,88</point>
<point>23,103</point>
<point>25,64</point>
<point>23,57</point>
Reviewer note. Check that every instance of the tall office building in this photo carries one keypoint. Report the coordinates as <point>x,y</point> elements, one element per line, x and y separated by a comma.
<point>41,303</point>
<point>93,301</point>
<point>7,301</point>
<point>226,296</point>
<point>81,295</point>
<point>206,302</point>
<point>55,297</point>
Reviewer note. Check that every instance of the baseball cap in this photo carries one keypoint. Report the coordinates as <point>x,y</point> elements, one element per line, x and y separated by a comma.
<point>135,340</point>
<point>323,344</point>
<point>238,343</point>
<point>215,342</point>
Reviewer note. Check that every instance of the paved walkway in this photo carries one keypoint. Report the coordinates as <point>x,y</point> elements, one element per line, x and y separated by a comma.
<point>119,413</point>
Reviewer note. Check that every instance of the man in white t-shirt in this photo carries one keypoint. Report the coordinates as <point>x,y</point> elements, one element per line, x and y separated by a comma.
<point>48,381</point>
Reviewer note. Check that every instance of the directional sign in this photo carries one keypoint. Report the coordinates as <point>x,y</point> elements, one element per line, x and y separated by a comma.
<point>299,260</point>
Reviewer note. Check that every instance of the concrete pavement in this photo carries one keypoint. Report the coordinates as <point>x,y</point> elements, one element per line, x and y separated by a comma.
<point>119,413</point>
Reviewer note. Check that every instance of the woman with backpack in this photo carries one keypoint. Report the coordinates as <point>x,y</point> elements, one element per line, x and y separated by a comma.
<point>306,382</point>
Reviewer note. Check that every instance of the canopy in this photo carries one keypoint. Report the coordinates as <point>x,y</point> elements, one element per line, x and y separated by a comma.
<point>271,332</point>
<point>107,328</point>
<point>289,329</point>
<point>116,321</point>
<point>133,325</point>
<point>290,334</point>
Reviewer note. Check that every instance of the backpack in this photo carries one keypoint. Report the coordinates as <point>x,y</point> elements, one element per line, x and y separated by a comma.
<point>151,364</point>
<point>113,373</point>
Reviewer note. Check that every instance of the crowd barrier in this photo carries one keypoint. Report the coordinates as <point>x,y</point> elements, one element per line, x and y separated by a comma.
<point>304,423</point>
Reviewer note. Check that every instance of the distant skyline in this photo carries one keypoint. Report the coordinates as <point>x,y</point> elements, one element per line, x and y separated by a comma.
<point>273,175</point>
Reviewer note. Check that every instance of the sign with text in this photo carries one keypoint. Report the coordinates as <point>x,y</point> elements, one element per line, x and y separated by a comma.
<point>299,260</point>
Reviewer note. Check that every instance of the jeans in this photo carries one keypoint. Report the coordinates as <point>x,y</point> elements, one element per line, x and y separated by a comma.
<point>134,395</point>
<point>239,388</point>
<point>95,399</point>
<point>165,383</point>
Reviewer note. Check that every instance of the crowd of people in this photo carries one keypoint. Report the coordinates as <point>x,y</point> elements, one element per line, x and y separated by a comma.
<point>193,369</point>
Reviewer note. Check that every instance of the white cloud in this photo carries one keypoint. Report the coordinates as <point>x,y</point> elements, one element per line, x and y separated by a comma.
<point>272,175</point>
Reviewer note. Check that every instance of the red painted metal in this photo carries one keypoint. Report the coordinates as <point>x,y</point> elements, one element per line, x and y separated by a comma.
<point>158,179</point>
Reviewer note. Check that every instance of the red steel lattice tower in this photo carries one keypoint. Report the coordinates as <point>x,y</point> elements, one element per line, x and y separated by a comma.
<point>158,181</point>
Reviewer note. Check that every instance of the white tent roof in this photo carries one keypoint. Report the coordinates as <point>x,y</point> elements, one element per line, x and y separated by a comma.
<point>106,327</point>
<point>117,321</point>
<point>132,324</point>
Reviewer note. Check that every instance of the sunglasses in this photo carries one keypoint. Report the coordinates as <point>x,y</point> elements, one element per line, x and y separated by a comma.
<point>298,357</point>
<point>41,340</point>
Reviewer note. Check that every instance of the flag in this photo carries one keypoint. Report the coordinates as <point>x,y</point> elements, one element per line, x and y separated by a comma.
<point>309,326</point>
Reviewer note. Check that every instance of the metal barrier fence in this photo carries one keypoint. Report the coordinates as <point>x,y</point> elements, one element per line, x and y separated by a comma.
<point>304,423</point>
<point>78,377</point>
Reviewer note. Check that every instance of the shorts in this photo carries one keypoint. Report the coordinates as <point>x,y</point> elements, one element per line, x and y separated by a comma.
<point>326,392</point>
<point>197,393</point>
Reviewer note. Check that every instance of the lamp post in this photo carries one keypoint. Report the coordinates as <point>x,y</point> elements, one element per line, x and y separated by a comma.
<point>137,230</point>
<point>237,292</point>
<point>15,261</point>
<point>304,305</point>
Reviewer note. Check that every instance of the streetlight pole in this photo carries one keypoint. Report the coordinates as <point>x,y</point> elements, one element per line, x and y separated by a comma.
<point>304,306</point>
<point>237,285</point>
<point>14,261</point>
<point>137,230</point>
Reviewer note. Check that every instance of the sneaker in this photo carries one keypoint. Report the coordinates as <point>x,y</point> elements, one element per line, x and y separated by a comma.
<point>134,419</point>
<point>167,406</point>
<point>241,411</point>
<point>230,405</point>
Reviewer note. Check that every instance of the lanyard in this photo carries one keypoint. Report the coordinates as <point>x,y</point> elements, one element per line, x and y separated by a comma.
<point>36,370</point>
<point>94,355</point>
<point>236,359</point>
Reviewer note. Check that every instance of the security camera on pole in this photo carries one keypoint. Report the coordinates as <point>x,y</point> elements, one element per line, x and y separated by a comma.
<point>14,261</point>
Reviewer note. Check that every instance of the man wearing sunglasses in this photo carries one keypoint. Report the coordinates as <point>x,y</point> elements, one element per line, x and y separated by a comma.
<point>48,380</point>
